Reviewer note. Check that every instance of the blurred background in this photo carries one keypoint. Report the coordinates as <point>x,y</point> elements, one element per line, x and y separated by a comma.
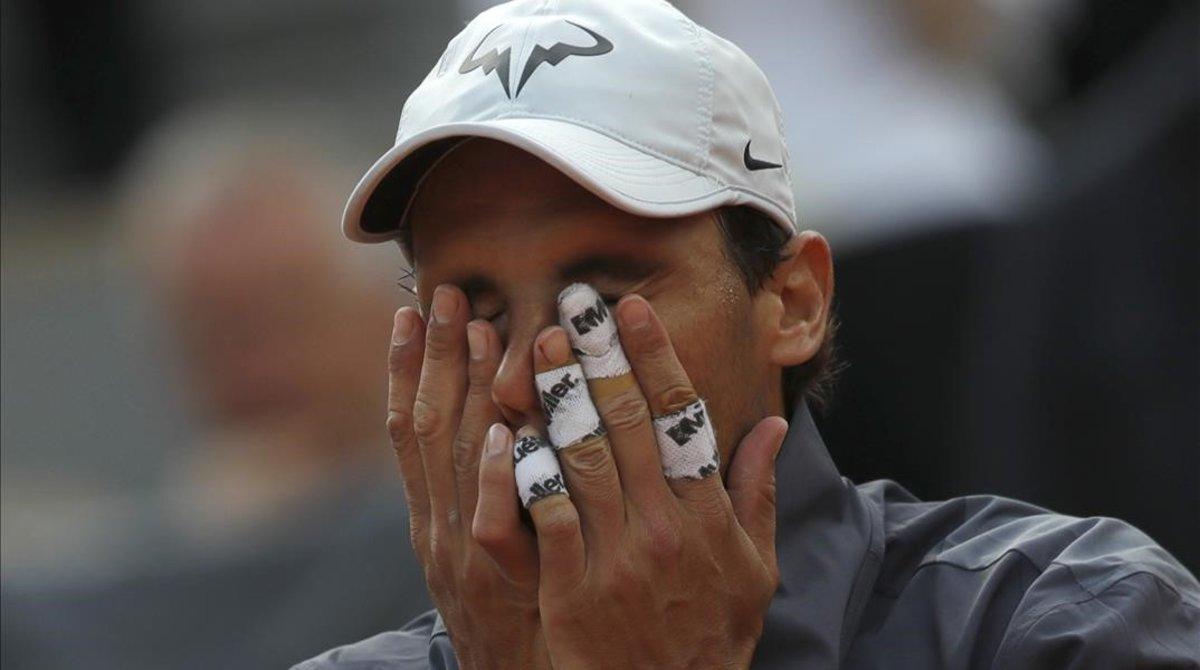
<point>194,467</point>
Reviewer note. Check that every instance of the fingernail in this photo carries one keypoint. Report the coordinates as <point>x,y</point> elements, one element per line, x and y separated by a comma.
<point>495,442</point>
<point>634,313</point>
<point>555,347</point>
<point>444,302</point>
<point>402,327</point>
<point>477,342</point>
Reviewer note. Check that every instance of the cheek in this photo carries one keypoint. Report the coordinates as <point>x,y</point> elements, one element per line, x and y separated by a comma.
<point>704,347</point>
<point>714,346</point>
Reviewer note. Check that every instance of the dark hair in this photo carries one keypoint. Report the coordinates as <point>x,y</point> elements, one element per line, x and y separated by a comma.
<point>756,245</point>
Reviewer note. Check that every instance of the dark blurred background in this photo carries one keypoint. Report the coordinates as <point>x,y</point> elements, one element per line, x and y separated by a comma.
<point>194,471</point>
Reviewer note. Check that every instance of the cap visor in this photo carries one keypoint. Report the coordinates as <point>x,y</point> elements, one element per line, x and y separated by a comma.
<point>626,177</point>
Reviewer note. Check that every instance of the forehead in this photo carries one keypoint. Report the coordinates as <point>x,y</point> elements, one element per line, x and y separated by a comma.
<point>483,175</point>
<point>487,199</point>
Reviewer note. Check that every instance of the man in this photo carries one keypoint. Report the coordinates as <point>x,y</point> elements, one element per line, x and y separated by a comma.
<point>619,160</point>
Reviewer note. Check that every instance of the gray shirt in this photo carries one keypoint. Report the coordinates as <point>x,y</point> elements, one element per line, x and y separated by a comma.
<point>871,577</point>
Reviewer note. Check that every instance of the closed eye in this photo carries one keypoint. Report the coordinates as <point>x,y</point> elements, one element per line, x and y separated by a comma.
<point>609,300</point>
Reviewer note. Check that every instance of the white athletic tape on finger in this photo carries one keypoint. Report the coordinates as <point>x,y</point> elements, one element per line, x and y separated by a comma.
<point>570,414</point>
<point>686,443</point>
<point>592,331</point>
<point>537,470</point>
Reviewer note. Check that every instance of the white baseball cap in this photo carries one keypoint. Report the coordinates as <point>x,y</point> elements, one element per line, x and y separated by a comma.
<point>631,99</point>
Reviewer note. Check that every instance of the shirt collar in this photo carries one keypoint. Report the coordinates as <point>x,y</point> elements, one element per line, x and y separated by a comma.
<point>829,543</point>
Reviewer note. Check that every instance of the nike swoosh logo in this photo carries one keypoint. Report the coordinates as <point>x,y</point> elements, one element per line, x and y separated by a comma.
<point>753,163</point>
<point>555,54</point>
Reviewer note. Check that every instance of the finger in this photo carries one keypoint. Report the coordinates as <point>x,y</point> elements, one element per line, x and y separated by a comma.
<point>497,523</point>
<point>618,398</point>
<point>560,543</point>
<point>404,369</point>
<point>536,469</point>
<point>479,412</point>
<point>752,483</point>
<point>686,441</point>
<point>438,406</point>
<point>578,437</point>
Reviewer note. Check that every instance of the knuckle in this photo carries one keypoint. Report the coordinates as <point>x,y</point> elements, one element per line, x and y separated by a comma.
<point>766,497</point>
<point>626,411</point>
<point>397,361</point>
<point>758,498</point>
<point>664,540</point>
<point>589,461</point>
<point>488,534</point>
<point>440,550</point>
<point>557,520</point>
<point>675,397</point>
<point>399,427</point>
<point>418,535</point>
<point>427,420</point>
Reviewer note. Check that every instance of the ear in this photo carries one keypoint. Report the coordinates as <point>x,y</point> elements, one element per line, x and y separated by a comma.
<point>799,295</point>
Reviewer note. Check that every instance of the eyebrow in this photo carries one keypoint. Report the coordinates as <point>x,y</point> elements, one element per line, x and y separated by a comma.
<point>610,265</point>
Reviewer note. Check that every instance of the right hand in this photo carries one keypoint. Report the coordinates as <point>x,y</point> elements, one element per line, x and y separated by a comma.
<point>480,561</point>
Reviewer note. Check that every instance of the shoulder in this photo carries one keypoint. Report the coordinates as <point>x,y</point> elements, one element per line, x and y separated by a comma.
<point>420,644</point>
<point>1025,587</point>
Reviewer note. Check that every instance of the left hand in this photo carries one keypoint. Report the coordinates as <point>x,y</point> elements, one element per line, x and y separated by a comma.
<point>637,570</point>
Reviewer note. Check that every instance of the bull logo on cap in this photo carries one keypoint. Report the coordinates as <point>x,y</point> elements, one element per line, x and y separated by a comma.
<point>498,59</point>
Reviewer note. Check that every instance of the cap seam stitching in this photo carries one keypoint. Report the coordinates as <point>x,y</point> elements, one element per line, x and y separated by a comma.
<point>707,100</point>
<point>698,147</point>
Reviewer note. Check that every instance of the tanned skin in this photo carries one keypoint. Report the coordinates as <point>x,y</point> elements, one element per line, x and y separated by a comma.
<point>631,568</point>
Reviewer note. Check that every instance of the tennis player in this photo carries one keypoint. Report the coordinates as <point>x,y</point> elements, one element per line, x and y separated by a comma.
<point>619,308</point>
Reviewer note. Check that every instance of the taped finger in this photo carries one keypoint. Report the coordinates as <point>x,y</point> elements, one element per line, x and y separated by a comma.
<point>686,443</point>
<point>594,338</point>
<point>579,438</point>
<point>497,525</point>
<point>537,470</point>
<point>624,411</point>
<point>570,414</point>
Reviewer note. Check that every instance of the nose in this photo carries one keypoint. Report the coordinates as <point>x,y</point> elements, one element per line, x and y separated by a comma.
<point>513,389</point>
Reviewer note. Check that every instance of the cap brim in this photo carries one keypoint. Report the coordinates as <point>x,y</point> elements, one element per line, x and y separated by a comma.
<point>626,177</point>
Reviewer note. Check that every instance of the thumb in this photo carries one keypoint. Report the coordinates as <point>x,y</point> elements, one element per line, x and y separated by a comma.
<point>752,483</point>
